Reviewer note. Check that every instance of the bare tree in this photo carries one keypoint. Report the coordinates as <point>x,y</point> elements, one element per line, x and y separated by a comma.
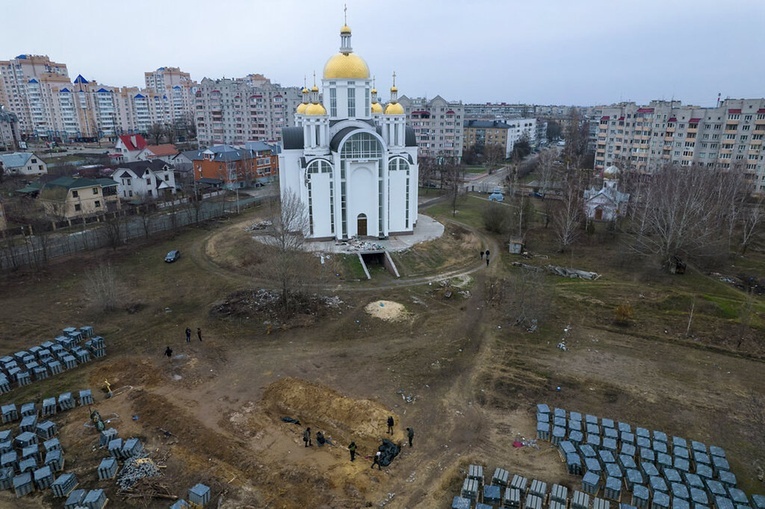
<point>568,214</point>
<point>493,156</point>
<point>751,220</point>
<point>156,132</point>
<point>289,225</point>
<point>525,296</point>
<point>547,169</point>
<point>427,170</point>
<point>101,286</point>
<point>685,210</point>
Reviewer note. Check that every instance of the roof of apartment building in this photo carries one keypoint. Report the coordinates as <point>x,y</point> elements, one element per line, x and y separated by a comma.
<point>221,153</point>
<point>486,124</point>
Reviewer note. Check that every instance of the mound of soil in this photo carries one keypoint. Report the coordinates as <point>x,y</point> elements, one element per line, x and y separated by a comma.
<point>387,310</point>
<point>312,404</point>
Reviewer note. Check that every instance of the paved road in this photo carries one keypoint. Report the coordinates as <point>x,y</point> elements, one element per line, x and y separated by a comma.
<point>485,183</point>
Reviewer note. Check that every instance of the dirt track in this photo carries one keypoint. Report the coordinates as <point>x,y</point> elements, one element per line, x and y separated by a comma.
<point>471,382</point>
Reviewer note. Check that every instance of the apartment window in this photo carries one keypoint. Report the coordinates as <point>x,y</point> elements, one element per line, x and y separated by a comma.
<point>130,193</point>
<point>730,127</point>
<point>98,204</point>
<point>745,127</point>
<point>148,182</point>
<point>77,207</point>
<point>75,194</point>
<point>95,190</point>
<point>734,116</point>
<point>748,118</point>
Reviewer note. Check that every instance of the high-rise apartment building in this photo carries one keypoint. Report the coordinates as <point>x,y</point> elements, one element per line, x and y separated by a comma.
<point>176,89</point>
<point>644,138</point>
<point>50,106</point>
<point>437,124</point>
<point>234,111</point>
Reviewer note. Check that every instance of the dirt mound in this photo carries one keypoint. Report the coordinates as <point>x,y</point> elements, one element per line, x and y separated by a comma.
<point>314,404</point>
<point>387,310</point>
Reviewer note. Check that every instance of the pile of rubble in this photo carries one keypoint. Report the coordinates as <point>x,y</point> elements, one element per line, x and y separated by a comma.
<point>259,226</point>
<point>134,470</point>
<point>356,245</point>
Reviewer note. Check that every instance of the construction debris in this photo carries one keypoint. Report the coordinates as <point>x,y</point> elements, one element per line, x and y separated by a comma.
<point>134,470</point>
<point>573,273</point>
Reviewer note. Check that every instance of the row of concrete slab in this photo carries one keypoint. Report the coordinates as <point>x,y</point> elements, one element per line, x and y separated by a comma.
<point>50,357</point>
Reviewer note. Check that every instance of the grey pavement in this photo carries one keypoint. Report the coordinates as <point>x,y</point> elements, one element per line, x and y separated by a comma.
<point>427,229</point>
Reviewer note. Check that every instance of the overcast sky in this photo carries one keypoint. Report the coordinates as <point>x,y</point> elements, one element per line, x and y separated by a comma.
<point>581,52</point>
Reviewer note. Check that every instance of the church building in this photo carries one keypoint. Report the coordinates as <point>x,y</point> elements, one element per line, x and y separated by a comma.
<point>351,161</point>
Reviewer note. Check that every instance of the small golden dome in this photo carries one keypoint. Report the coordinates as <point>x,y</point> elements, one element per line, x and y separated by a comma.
<point>374,90</point>
<point>344,66</point>
<point>301,108</point>
<point>394,109</point>
<point>345,30</point>
<point>393,88</point>
<point>315,109</point>
<point>377,108</point>
<point>314,88</point>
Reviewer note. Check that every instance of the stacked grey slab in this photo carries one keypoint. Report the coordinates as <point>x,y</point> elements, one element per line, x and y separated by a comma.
<point>682,472</point>
<point>75,499</point>
<point>64,485</point>
<point>107,469</point>
<point>182,504</point>
<point>199,494</point>
<point>95,499</point>
<point>23,484</point>
<point>50,358</point>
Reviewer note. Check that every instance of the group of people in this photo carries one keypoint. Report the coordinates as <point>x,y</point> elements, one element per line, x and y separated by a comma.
<point>320,438</point>
<point>352,447</point>
<point>169,351</point>
<point>486,254</point>
<point>188,334</point>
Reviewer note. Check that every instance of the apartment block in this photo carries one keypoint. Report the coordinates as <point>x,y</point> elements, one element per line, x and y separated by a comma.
<point>234,111</point>
<point>644,138</point>
<point>437,124</point>
<point>50,106</point>
<point>9,130</point>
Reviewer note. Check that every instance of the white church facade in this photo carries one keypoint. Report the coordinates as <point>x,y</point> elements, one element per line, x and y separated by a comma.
<point>351,161</point>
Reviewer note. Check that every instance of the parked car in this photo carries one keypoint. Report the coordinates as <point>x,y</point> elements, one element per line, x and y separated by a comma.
<point>172,256</point>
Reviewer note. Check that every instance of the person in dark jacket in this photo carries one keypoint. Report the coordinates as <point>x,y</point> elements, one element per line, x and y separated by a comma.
<point>320,438</point>
<point>410,435</point>
<point>376,460</point>
<point>188,335</point>
<point>352,450</point>
<point>390,424</point>
<point>307,437</point>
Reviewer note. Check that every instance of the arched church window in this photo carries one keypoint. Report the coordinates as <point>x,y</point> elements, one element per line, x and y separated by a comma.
<point>361,146</point>
<point>398,164</point>
<point>319,166</point>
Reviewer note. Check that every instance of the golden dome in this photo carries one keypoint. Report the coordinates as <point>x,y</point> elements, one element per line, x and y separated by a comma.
<point>301,108</point>
<point>377,108</point>
<point>393,88</point>
<point>345,66</point>
<point>315,109</point>
<point>374,90</point>
<point>394,109</point>
<point>305,90</point>
<point>314,88</point>
<point>345,30</point>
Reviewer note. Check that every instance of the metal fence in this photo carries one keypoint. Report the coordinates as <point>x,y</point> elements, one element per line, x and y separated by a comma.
<point>113,230</point>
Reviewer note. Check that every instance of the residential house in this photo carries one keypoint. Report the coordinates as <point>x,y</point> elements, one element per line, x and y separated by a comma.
<point>128,148</point>
<point>23,163</point>
<point>224,165</point>
<point>266,160</point>
<point>164,152</point>
<point>144,180</point>
<point>69,197</point>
